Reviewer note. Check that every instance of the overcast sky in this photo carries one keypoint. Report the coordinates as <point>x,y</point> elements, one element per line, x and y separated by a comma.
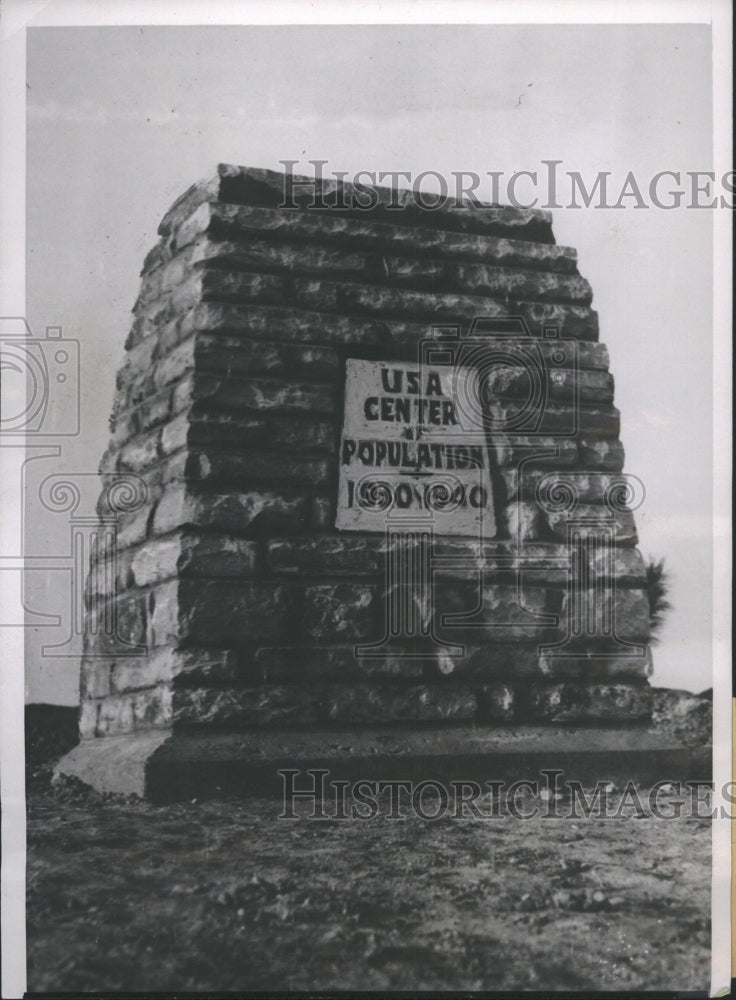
<point>122,120</point>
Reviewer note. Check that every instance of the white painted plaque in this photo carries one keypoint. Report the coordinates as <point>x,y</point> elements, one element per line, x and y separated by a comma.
<point>412,452</point>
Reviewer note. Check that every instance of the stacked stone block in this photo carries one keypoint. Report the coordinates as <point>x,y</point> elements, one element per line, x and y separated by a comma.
<point>235,602</point>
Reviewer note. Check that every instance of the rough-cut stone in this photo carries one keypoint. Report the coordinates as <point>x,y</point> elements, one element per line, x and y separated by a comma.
<point>453,558</point>
<point>216,354</point>
<point>513,417</point>
<point>248,394</point>
<point>322,512</point>
<point>188,554</point>
<point>171,469</point>
<point>267,188</point>
<point>320,294</point>
<point>532,522</point>
<point>339,554</point>
<point>228,286</point>
<point>158,281</point>
<point>196,666</point>
<point>123,426</point>
<point>409,340</point>
<point>356,703</point>
<point>571,320</point>
<point>235,611</point>
<point>246,511</point>
<point>236,355</point>
<point>593,663</point>
<point>533,563</point>
<point>590,703</point>
<point>342,612</point>
<point>591,520</point>
<point>368,704</point>
<point>139,359</point>
<point>489,662</point>
<point>94,678</point>
<point>498,561</point>
<point>157,560</point>
<point>127,712</point>
<point>304,664</point>
<point>297,258</point>
<point>192,611</point>
<point>624,611</point>
<point>249,431</point>
<point>583,487</point>
<point>116,626</point>
<point>136,673</point>
<point>511,450</point>
<point>204,285</point>
<point>497,613</point>
<point>160,665</point>
<point>625,565</point>
<point>132,528</point>
<point>496,703</point>
<point>155,410</point>
<point>256,469</point>
<point>512,284</point>
<point>688,716</point>
<point>230,257</point>
<point>163,617</point>
<point>606,455</point>
<point>106,579</point>
<point>176,434</point>
<point>255,320</point>
<point>236,708</point>
<point>568,384</point>
<point>280,324</point>
<point>88,713</point>
<point>140,453</point>
<point>230,221</point>
<point>217,555</point>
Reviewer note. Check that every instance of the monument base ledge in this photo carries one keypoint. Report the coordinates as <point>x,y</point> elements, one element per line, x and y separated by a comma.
<point>166,767</point>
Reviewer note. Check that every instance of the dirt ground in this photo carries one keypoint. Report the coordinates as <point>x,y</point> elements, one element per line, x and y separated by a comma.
<point>219,895</point>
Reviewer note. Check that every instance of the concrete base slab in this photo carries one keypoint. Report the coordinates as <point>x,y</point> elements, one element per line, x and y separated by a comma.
<point>165,767</point>
<point>113,764</point>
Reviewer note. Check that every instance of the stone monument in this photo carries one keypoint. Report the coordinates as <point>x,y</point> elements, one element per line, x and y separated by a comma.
<point>379,503</point>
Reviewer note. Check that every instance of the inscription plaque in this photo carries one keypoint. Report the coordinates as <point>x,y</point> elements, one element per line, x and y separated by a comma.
<point>411,449</point>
